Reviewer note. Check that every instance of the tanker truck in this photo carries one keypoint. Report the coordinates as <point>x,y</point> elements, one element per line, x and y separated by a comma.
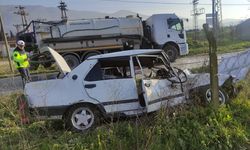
<point>79,39</point>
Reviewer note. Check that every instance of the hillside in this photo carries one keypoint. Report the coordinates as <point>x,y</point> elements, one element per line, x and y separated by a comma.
<point>51,13</point>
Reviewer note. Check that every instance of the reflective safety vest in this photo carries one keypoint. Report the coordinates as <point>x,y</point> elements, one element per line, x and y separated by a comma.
<point>20,59</point>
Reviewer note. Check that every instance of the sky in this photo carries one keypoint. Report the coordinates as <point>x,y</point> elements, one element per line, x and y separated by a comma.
<point>147,7</point>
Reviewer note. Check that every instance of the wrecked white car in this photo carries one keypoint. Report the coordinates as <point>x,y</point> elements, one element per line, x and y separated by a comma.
<point>126,83</point>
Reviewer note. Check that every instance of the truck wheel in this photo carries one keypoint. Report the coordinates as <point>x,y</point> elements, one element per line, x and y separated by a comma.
<point>34,66</point>
<point>171,51</point>
<point>44,59</point>
<point>81,118</point>
<point>47,65</point>
<point>91,54</point>
<point>72,61</point>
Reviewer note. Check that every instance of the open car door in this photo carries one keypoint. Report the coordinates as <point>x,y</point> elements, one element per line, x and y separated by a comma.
<point>157,91</point>
<point>160,93</point>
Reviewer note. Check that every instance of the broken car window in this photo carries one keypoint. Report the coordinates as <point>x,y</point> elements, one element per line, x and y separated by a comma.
<point>148,66</point>
<point>107,69</point>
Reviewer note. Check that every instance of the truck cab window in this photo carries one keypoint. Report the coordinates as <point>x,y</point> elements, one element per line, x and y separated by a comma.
<point>175,24</point>
<point>110,69</point>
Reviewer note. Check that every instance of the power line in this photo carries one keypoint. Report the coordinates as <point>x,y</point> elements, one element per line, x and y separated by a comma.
<point>21,11</point>
<point>195,13</point>
<point>174,3</point>
<point>63,8</point>
<point>132,1</point>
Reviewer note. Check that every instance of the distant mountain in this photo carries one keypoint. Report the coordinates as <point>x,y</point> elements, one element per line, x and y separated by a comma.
<point>225,22</point>
<point>51,14</point>
<point>232,22</point>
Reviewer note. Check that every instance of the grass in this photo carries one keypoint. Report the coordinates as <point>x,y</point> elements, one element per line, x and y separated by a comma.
<point>233,46</point>
<point>228,41</point>
<point>184,127</point>
<point>5,70</point>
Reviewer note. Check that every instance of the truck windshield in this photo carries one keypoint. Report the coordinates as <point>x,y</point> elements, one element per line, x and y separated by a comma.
<point>175,24</point>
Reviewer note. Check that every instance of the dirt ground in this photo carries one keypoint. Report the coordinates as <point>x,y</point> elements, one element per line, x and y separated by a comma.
<point>4,66</point>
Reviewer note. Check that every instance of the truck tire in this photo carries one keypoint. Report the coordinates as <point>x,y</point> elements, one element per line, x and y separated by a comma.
<point>46,56</point>
<point>91,54</point>
<point>72,61</point>
<point>81,118</point>
<point>34,66</point>
<point>47,65</point>
<point>171,51</point>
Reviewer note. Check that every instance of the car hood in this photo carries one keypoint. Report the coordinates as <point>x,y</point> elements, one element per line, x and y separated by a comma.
<point>60,61</point>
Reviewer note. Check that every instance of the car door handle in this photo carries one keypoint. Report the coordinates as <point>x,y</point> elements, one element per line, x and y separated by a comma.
<point>90,86</point>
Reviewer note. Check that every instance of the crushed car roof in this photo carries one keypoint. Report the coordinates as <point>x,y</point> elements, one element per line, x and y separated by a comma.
<point>126,53</point>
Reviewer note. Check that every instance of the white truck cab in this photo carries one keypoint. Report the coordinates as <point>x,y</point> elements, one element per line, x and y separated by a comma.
<point>168,29</point>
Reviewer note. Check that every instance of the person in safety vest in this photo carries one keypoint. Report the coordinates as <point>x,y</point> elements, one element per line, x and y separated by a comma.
<point>21,60</point>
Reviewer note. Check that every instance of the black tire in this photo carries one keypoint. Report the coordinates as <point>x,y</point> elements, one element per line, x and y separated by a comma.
<point>45,57</point>
<point>91,54</point>
<point>223,96</point>
<point>171,51</point>
<point>47,65</point>
<point>72,61</point>
<point>34,66</point>
<point>89,118</point>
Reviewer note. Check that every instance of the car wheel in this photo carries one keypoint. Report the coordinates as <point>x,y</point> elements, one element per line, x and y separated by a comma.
<point>223,96</point>
<point>171,51</point>
<point>81,118</point>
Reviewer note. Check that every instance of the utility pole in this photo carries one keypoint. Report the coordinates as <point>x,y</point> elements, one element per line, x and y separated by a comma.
<point>6,44</point>
<point>212,38</point>
<point>17,26</point>
<point>217,16</point>
<point>195,13</point>
<point>63,8</point>
<point>23,14</point>
<point>219,12</point>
